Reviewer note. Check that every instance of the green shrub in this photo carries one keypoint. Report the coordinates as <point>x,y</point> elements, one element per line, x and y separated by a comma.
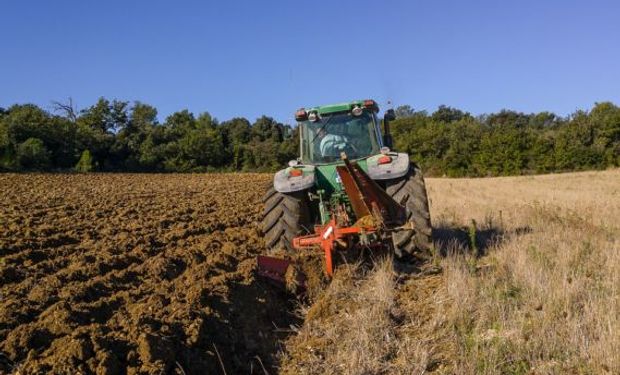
<point>85,164</point>
<point>32,154</point>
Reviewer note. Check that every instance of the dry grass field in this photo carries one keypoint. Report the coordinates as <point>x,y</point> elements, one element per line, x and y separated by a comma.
<point>545,298</point>
<point>149,274</point>
<point>525,281</point>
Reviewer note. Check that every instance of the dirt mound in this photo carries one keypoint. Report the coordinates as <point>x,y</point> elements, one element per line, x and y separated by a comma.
<point>133,273</point>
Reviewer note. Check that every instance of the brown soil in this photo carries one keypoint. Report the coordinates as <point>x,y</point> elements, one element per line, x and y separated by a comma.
<point>127,273</point>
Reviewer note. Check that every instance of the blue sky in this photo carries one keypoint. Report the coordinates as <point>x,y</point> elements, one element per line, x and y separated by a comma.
<point>250,58</point>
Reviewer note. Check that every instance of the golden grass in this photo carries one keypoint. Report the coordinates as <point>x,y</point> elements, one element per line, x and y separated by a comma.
<point>545,298</point>
<point>352,321</point>
<point>528,285</point>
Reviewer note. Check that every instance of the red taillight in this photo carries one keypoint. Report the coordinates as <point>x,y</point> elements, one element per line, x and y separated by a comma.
<point>370,103</point>
<point>384,160</point>
<point>295,172</point>
<point>301,115</point>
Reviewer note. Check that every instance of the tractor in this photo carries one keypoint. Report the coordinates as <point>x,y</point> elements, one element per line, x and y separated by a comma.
<point>348,189</point>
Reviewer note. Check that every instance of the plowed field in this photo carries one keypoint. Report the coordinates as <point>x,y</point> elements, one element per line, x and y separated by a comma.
<point>134,273</point>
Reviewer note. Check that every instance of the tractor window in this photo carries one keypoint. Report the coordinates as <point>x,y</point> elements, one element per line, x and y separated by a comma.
<point>323,141</point>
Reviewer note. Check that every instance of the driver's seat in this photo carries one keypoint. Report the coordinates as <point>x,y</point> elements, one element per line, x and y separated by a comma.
<point>332,145</point>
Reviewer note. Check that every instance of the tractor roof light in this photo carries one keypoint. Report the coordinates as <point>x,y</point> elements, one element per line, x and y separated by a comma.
<point>301,115</point>
<point>371,104</point>
<point>313,116</point>
<point>357,111</point>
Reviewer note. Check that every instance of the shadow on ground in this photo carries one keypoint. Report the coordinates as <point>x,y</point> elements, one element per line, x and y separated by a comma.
<point>245,331</point>
<point>471,239</point>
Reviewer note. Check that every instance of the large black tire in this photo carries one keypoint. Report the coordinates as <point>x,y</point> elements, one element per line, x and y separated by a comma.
<point>285,216</point>
<point>410,191</point>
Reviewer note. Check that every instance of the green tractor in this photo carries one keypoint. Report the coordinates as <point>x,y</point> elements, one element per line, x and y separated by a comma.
<point>347,189</point>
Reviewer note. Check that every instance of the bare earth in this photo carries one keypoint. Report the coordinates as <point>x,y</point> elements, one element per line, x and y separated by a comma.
<point>126,273</point>
<point>138,273</point>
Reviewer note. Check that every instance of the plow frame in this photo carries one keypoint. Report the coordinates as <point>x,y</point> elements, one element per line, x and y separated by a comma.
<point>328,237</point>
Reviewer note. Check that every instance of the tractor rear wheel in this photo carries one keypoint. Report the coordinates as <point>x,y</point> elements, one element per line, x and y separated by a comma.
<point>285,216</point>
<point>410,191</point>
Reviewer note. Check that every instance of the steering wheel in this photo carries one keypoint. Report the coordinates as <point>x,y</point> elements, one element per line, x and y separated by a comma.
<point>349,145</point>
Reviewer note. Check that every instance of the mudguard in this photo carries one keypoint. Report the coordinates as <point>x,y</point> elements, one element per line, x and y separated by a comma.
<point>397,167</point>
<point>285,182</point>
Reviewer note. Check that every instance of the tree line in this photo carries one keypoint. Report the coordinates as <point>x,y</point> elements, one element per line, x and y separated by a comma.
<point>454,143</point>
<point>118,136</point>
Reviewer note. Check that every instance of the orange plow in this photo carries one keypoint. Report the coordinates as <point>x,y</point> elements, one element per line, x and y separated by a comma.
<point>376,214</point>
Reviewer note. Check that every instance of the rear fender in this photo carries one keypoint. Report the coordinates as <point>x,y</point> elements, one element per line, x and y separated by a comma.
<point>284,182</point>
<point>397,167</point>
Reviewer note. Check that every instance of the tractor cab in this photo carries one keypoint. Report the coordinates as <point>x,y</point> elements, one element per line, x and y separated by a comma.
<point>328,131</point>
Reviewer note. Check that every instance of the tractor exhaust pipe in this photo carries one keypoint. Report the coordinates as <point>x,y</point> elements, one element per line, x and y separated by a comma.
<point>387,137</point>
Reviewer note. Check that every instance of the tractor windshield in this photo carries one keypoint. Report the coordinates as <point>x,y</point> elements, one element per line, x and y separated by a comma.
<point>324,140</point>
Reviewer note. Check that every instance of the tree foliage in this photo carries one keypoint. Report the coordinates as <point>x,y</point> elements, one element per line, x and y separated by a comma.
<point>453,143</point>
<point>119,136</point>
<point>32,155</point>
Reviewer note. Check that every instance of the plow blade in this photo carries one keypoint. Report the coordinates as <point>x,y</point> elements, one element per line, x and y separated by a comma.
<point>281,272</point>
